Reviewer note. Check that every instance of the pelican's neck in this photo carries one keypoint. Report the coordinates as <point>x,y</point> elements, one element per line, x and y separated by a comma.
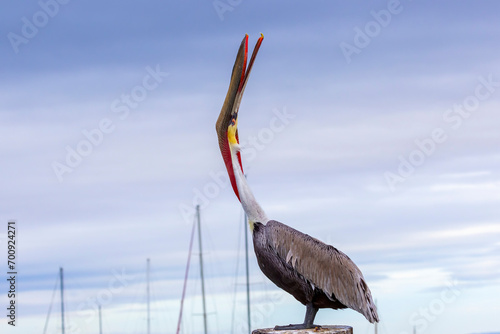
<point>252,209</point>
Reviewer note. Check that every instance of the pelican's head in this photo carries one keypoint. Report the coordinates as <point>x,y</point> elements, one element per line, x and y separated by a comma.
<point>227,122</point>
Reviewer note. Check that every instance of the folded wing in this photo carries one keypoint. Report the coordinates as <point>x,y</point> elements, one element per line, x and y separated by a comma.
<point>324,266</point>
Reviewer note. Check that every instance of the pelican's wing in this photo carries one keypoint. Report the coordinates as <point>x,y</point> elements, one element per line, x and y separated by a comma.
<point>324,266</point>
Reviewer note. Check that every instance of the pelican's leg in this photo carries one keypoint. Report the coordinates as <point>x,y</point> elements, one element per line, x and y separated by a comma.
<point>310,315</point>
<point>308,320</point>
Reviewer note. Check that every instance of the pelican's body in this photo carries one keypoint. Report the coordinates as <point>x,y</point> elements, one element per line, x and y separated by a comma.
<point>316,274</point>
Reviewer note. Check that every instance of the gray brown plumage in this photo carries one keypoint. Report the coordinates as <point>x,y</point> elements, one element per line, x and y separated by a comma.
<point>316,274</point>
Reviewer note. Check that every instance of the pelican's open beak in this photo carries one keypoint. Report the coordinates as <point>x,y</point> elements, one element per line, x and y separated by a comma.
<point>227,122</point>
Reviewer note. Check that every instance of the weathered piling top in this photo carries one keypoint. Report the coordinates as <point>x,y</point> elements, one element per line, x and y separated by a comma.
<point>321,330</point>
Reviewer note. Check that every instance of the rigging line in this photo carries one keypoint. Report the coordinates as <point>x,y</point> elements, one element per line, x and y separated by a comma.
<point>236,277</point>
<point>50,306</point>
<point>186,277</point>
<point>208,269</point>
<point>247,271</point>
<point>148,319</point>
<point>201,270</point>
<point>61,280</point>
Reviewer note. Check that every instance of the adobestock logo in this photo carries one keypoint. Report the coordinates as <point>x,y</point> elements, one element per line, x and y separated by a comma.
<point>373,28</point>
<point>90,307</point>
<point>121,107</point>
<point>225,6</point>
<point>454,117</point>
<point>250,149</point>
<point>31,26</point>
<point>261,312</point>
<point>426,315</point>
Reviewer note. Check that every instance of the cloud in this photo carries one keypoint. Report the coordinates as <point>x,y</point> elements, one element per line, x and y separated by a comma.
<point>323,174</point>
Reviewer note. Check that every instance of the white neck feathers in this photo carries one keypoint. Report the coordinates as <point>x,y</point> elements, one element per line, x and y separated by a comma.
<point>252,209</point>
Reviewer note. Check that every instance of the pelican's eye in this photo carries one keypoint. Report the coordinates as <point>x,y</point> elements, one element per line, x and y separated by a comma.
<point>233,119</point>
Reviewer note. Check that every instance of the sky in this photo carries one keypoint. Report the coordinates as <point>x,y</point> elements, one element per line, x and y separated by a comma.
<point>371,126</point>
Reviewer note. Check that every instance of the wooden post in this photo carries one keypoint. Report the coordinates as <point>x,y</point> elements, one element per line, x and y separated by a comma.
<point>319,330</point>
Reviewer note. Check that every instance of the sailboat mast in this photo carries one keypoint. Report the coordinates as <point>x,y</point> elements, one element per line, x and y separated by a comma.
<point>185,278</point>
<point>147,296</point>
<point>100,320</point>
<point>201,270</point>
<point>62,298</point>
<point>248,275</point>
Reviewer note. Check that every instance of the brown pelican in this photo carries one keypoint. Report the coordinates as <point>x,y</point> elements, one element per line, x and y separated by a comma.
<point>316,274</point>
